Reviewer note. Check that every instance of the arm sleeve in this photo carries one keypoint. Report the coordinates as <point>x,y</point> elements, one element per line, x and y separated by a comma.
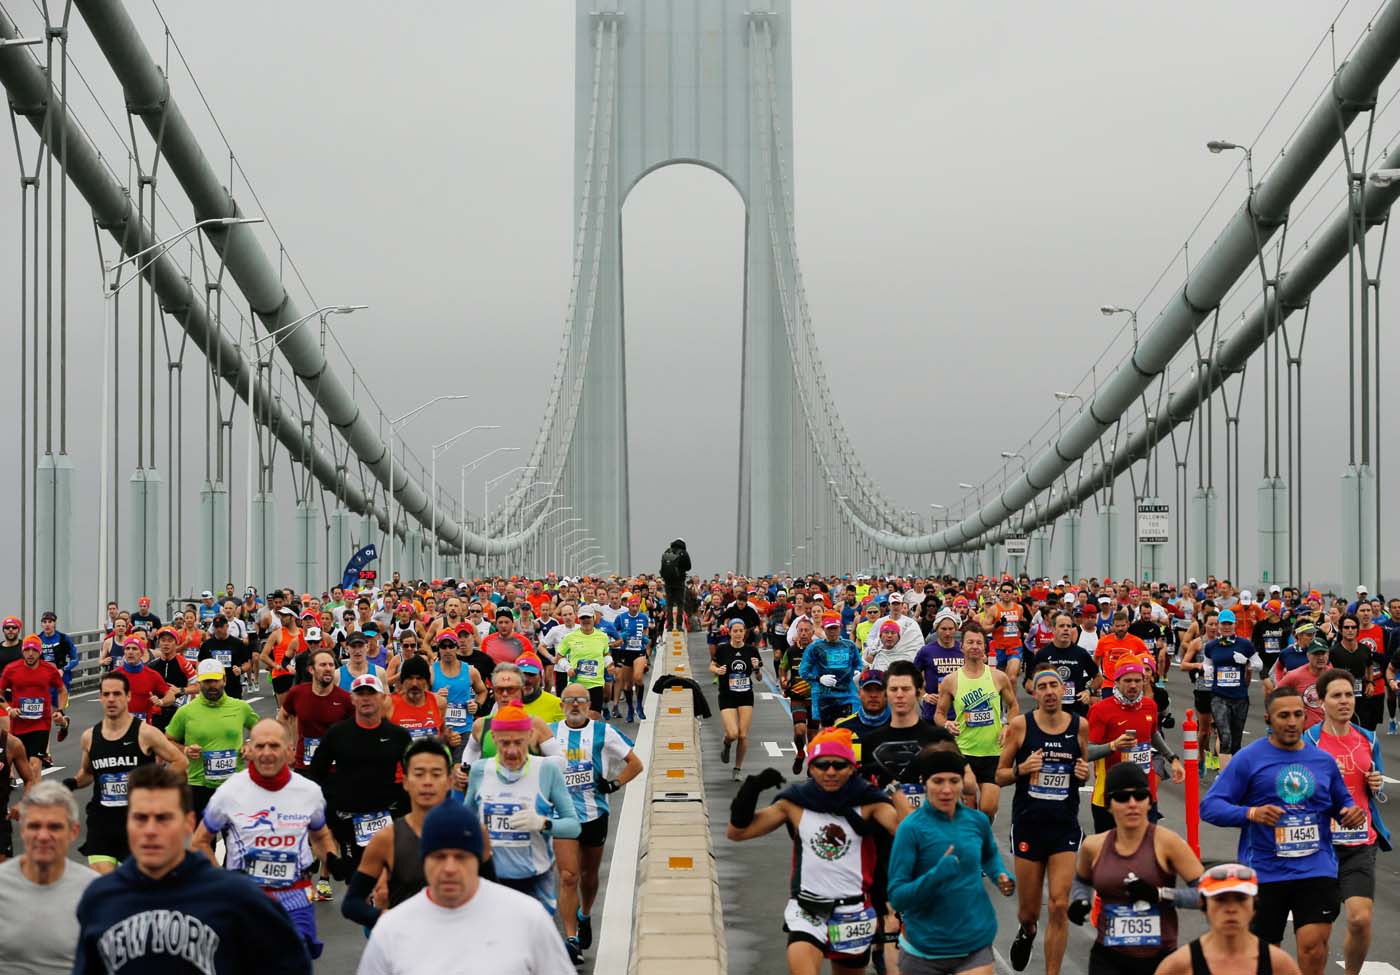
<point>566,825</point>
<point>474,786</point>
<point>355,905</point>
<point>1160,743</point>
<point>1220,806</point>
<point>904,888</point>
<point>472,753</point>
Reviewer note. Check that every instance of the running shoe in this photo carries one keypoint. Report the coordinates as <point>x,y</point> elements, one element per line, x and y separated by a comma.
<point>797,763</point>
<point>642,715</point>
<point>724,752</point>
<point>585,931</point>
<point>607,715</point>
<point>323,890</point>
<point>738,774</point>
<point>1392,728</point>
<point>1021,949</point>
<point>631,716</point>
<point>63,731</point>
<point>46,760</point>
<point>575,951</point>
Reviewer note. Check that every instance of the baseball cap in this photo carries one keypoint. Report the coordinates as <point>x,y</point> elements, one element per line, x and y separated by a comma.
<point>1361,589</point>
<point>144,601</point>
<point>1275,589</point>
<point>529,663</point>
<point>167,631</point>
<point>210,669</point>
<point>287,611</point>
<point>371,681</point>
<point>356,638</point>
<point>446,636</point>
<point>896,597</point>
<point>207,594</point>
<point>832,619</point>
<point>313,634</point>
<point>585,612</point>
<point>450,826</point>
<point>1105,599</point>
<point>1229,878</point>
<point>1246,597</point>
<point>1227,616</point>
<point>1125,775</point>
<point>872,676</point>
<point>48,615</point>
<point>412,667</point>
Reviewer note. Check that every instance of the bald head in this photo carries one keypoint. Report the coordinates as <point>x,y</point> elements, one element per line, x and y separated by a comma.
<point>269,747</point>
<point>575,701</point>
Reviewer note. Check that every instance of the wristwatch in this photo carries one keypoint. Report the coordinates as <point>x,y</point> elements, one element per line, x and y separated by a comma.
<point>548,826</point>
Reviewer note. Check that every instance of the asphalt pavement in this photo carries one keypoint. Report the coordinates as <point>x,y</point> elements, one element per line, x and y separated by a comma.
<point>344,941</point>
<point>754,875</point>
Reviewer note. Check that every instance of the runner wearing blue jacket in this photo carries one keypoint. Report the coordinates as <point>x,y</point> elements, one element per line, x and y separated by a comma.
<point>830,665</point>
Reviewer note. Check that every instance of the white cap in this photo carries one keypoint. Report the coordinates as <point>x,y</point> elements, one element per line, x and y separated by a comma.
<point>206,594</point>
<point>367,680</point>
<point>1192,582</point>
<point>585,611</point>
<point>313,634</point>
<point>946,614</point>
<point>210,669</point>
<point>896,597</point>
<point>1362,589</point>
<point>1275,589</point>
<point>1067,599</point>
<point>1246,597</point>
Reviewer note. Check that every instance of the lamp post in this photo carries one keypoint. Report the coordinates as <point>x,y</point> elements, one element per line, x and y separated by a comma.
<point>26,42</point>
<point>253,343</point>
<point>556,544</point>
<point>438,450</point>
<point>110,290</point>
<point>1217,146</point>
<point>1384,177</point>
<point>1064,397</point>
<point>1110,310</point>
<point>489,483</point>
<point>393,428</point>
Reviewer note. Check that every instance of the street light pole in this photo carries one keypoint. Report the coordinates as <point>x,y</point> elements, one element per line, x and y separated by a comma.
<point>393,428</point>
<point>438,450</point>
<point>489,483</point>
<point>110,290</point>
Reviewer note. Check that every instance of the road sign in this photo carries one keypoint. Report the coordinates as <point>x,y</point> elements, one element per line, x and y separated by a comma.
<point>1017,546</point>
<point>1152,518</point>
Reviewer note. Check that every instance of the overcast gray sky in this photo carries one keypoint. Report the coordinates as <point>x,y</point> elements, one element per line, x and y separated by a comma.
<point>972,182</point>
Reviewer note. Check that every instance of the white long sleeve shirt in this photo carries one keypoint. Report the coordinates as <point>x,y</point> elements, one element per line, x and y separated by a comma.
<point>911,639</point>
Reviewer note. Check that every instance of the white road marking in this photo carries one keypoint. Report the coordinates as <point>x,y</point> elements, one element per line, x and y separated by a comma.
<point>1374,968</point>
<point>250,700</point>
<point>776,750</point>
<point>1390,780</point>
<point>52,768</point>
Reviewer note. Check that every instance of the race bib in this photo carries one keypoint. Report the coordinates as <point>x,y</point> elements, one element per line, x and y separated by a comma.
<point>634,643</point>
<point>780,629</point>
<point>367,824</point>
<point>224,657</point>
<point>498,816</point>
<point>851,930</point>
<point>1352,837</point>
<point>1051,782</point>
<point>308,748</point>
<point>914,793</point>
<point>111,789</point>
<point>220,763</point>
<point>142,715</point>
<point>423,732</point>
<point>455,716</point>
<point>271,868</point>
<point>1356,686</point>
<point>1141,754</point>
<point>740,683</point>
<point>978,718</point>
<point>1227,677</point>
<point>1137,925</point>
<point>1069,690</point>
<point>31,708</point>
<point>1297,835</point>
<point>579,775</point>
<point>1011,631</point>
<point>588,668</point>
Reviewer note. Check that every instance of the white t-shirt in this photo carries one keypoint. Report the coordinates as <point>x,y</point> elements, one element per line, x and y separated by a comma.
<point>267,830</point>
<point>508,933</point>
<point>550,641</point>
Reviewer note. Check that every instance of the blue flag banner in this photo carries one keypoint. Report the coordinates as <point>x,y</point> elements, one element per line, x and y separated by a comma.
<point>357,562</point>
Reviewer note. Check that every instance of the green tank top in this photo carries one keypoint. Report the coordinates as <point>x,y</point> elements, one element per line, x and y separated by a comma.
<point>977,706</point>
<point>488,741</point>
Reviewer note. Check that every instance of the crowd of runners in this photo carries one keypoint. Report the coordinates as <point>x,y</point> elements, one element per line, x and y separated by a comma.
<point>442,756</point>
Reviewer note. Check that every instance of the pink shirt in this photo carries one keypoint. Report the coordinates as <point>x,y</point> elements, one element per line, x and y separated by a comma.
<point>1352,753</point>
<point>1304,681</point>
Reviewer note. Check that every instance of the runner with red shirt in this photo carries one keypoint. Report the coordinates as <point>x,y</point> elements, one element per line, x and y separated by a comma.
<point>27,685</point>
<point>414,709</point>
<point>1127,722</point>
<point>148,690</point>
<point>313,707</point>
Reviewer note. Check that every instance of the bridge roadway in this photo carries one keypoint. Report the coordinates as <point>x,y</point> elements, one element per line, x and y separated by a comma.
<point>754,875</point>
<point>344,941</point>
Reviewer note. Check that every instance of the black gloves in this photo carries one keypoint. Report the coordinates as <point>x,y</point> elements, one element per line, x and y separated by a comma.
<point>606,786</point>
<point>1078,911</point>
<point>1140,890</point>
<point>71,784</point>
<point>745,804</point>
<point>339,867</point>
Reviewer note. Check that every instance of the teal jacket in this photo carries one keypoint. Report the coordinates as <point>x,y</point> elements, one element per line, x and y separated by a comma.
<point>1311,735</point>
<point>944,904</point>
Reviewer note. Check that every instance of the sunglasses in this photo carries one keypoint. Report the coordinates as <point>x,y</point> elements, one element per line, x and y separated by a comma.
<point>830,764</point>
<point>408,643</point>
<point>1136,795</point>
<point>508,691</point>
<point>574,700</point>
<point>1230,871</point>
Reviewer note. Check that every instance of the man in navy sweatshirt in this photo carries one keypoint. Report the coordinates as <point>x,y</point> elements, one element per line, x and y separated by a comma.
<point>167,910</point>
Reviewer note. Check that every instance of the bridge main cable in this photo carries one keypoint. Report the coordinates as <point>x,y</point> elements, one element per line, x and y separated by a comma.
<point>1233,253</point>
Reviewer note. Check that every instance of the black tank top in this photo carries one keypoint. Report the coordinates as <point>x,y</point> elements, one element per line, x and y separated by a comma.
<point>112,761</point>
<point>1050,796</point>
<point>1199,966</point>
<point>406,879</point>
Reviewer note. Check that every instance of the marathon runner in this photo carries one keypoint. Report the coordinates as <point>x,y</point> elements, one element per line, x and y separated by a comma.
<point>391,869</point>
<point>227,649</point>
<point>1201,672</point>
<point>1284,794</point>
<point>1358,756</point>
<point>459,688</point>
<point>58,647</point>
<point>796,688</point>
<point>1228,894</point>
<point>939,858</point>
<point>939,657</point>
<point>1006,621</point>
<point>829,914</point>
<point>1124,727</point>
<point>631,656</point>
<point>1072,662</point>
<point>414,709</point>
<point>1133,868</point>
<point>148,691</point>
<point>830,665</point>
<point>586,650</point>
<point>111,750</point>
<point>981,701</point>
<point>10,643</point>
<point>522,803</point>
<point>879,652</point>
<point>598,761</point>
<point>872,712</point>
<point>736,664</point>
<point>167,909</point>
<point>507,687</point>
<point>272,821</point>
<point>14,766</point>
<point>358,766</point>
<point>1230,659</point>
<point>1044,756</point>
<point>280,650</point>
<point>538,702</point>
<point>1304,679</point>
<point>30,685</point>
<point>211,728</point>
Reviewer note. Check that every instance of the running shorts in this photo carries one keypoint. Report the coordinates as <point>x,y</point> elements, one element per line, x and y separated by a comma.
<point>801,709</point>
<point>35,743</point>
<point>1031,841</point>
<point>594,832</point>
<point>803,927</point>
<point>1312,900</point>
<point>283,683</point>
<point>106,836</point>
<point>541,887</point>
<point>914,965</point>
<point>1007,654</point>
<point>1356,871</point>
<point>984,768</point>
<point>731,701</point>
